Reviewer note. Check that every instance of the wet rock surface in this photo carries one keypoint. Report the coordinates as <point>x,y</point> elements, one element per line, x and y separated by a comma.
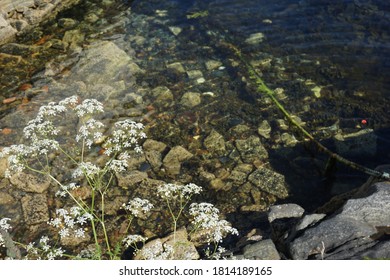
<point>17,16</point>
<point>357,230</point>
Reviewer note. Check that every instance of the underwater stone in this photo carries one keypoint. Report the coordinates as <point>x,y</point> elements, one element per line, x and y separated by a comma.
<point>162,94</point>
<point>361,143</point>
<point>30,183</point>
<point>153,145</point>
<point>282,124</point>
<point>212,65</point>
<point>251,149</point>
<point>190,99</point>
<point>66,22</point>
<point>317,91</point>
<point>175,30</point>
<point>253,208</point>
<point>240,173</point>
<point>154,158</point>
<point>264,129</point>
<point>215,143</point>
<point>5,198</point>
<point>194,74</point>
<point>72,38</point>
<point>288,139</point>
<point>218,185</point>
<point>176,66</point>
<point>269,181</point>
<point>255,38</point>
<point>130,178</point>
<point>35,209</point>
<point>172,161</point>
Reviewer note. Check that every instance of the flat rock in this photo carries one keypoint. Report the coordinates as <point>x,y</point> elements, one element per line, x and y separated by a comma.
<point>284,211</point>
<point>261,250</point>
<point>215,143</point>
<point>172,161</point>
<point>130,178</point>
<point>361,143</point>
<point>101,63</point>
<point>251,149</point>
<point>153,145</point>
<point>30,183</point>
<point>190,99</point>
<point>35,210</point>
<point>269,181</point>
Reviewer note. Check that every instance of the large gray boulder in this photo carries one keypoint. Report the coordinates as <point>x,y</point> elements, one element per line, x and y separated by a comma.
<point>354,232</point>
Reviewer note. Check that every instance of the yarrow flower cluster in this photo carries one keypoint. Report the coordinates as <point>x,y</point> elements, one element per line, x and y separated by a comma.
<point>43,250</point>
<point>126,134</point>
<point>65,189</point>
<point>90,132</point>
<point>88,107</point>
<point>206,217</point>
<point>132,239</point>
<point>87,169</point>
<point>158,251</point>
<point>138,206</point>
<point>168,191</point>
<point>70,222</point>
<point>5,227</point>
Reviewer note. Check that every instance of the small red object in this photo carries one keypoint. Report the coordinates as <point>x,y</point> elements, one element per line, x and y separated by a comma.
<point>364,121</point>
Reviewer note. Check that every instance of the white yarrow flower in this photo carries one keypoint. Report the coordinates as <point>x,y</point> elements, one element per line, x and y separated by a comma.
<point>137,206</point>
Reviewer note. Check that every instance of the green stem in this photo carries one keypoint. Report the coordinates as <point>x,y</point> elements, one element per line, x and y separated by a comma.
<point>104,228</point>
<point>93,222</point>
<point>262,87</point>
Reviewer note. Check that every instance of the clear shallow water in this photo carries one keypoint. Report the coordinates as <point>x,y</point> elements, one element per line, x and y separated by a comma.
<point>341,48</point>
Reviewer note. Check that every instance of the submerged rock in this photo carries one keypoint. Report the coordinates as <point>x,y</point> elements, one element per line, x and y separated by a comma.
<point>190,99</point>
<point>361,143</point>
<point>264,129</point>
<point>269,181</point>
<point>215,143</point>
<point>172,161</point>
<point>101,63</point>
<point>130,178</point>
<point>35,209</point>
<point>30,183</point>
<point>251,149</point>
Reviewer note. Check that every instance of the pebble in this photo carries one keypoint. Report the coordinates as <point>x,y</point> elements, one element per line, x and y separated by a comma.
<point>190,99</point>
<point>175,30</point>
<point>194,74</point>
<point>212,65</point>
<point>176,66</point>
<point>264,129</point>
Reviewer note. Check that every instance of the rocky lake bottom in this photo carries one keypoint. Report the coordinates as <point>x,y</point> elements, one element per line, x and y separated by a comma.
<point>166,65</point>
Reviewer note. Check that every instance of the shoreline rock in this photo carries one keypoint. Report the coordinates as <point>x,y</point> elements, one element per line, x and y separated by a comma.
<point>18,16</point>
